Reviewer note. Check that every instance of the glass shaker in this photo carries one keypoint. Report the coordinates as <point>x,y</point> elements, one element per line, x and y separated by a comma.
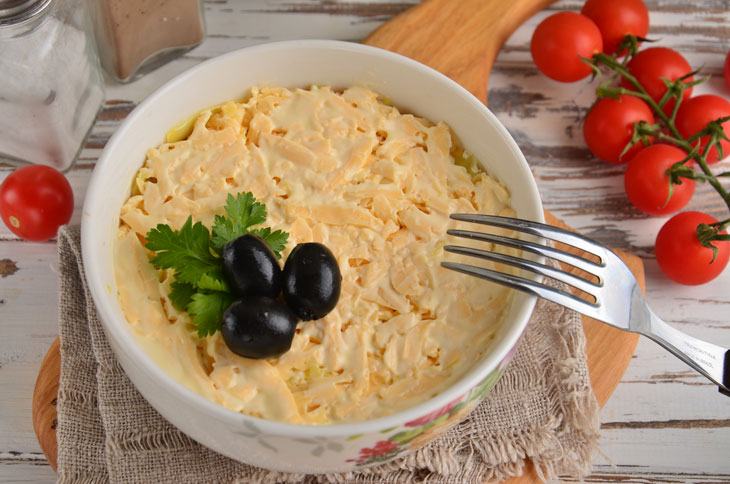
<point>137,36</point>
<point>51,87</point>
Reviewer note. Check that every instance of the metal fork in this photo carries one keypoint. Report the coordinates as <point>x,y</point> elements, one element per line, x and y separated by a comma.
<point>618,297</point>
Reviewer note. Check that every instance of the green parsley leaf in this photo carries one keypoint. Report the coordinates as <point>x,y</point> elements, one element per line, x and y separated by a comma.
<point>244,211</point>
<point>224,231</point>
<point>207,309</point>
<point>213,281</point>
<point>181,294</point>
<point>200,287</point>
<point>277,239</point>
<point>186,250</point>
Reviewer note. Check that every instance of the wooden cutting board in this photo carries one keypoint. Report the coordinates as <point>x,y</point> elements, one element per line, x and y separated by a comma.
<point>460,38</point>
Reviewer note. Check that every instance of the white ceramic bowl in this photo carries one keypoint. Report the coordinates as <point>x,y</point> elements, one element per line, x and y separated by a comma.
<point>412,87</point>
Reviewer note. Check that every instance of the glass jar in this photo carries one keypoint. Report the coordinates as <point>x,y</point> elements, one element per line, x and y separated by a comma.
<point>51,87</point>
<point>137,36</point>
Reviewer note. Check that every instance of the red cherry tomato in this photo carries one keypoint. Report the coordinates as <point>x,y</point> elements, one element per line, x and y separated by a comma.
<point>616,19</point>
<point>560,41</point>
<point>609,126</point>
<point>694,114</point>
<point>650,65</point>
<point>34,201</point>
<point>726,70</point>
<point>681,256</point>
<point>647,183</point>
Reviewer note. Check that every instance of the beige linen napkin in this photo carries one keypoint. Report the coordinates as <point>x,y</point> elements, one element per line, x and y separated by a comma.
<point>542,409</point>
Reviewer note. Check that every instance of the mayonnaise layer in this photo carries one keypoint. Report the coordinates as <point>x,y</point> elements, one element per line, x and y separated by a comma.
<point>373,185</point>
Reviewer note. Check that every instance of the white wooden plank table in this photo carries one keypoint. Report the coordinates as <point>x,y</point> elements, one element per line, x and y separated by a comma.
<point>663,424</point>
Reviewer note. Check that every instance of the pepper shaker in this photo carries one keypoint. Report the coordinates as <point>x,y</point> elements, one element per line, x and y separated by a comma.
<point>137,36</point>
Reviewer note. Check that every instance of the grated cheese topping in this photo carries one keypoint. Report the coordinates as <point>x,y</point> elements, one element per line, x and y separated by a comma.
<point>372,184</point>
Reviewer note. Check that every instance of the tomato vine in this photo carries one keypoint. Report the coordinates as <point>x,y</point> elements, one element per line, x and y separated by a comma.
<point>666,129</point>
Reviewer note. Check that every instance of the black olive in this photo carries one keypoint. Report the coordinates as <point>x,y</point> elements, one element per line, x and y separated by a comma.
<point>258,327</point>
<point>311,280</point>
<point>251,267</point>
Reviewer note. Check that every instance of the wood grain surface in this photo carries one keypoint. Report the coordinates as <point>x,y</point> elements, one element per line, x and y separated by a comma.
<point>664,423</point>
<point>45,398</point>
<point>460,39</point>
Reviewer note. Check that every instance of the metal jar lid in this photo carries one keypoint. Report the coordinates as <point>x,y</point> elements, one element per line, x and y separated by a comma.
<point>16,11</point>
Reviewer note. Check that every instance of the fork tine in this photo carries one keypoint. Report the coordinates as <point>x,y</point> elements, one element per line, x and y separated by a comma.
<point>525,285</point>
<point>579,262</point>
<point>536,228</point>
<point>542,269</point>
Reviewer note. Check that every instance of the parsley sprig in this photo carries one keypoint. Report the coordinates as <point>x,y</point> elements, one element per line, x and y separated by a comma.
<point>185,250</point>
<point>193,252</point>
<point>244,212</point>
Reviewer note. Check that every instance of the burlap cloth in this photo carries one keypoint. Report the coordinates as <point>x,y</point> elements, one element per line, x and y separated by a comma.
<point>542,409</point>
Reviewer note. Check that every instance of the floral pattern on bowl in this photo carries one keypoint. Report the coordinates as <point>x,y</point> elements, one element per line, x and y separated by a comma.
<point>423,430</point>
<point>376,447</point>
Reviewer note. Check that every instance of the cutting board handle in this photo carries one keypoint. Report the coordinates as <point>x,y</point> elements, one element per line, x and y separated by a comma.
<point>459,38</point>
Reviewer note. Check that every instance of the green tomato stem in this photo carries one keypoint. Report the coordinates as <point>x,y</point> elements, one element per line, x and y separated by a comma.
<point>722,225</point>
<point>701,159</point>
<point>676,138</point>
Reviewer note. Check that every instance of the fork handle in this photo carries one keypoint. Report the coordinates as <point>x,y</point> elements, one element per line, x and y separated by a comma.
<point>709,359</point>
